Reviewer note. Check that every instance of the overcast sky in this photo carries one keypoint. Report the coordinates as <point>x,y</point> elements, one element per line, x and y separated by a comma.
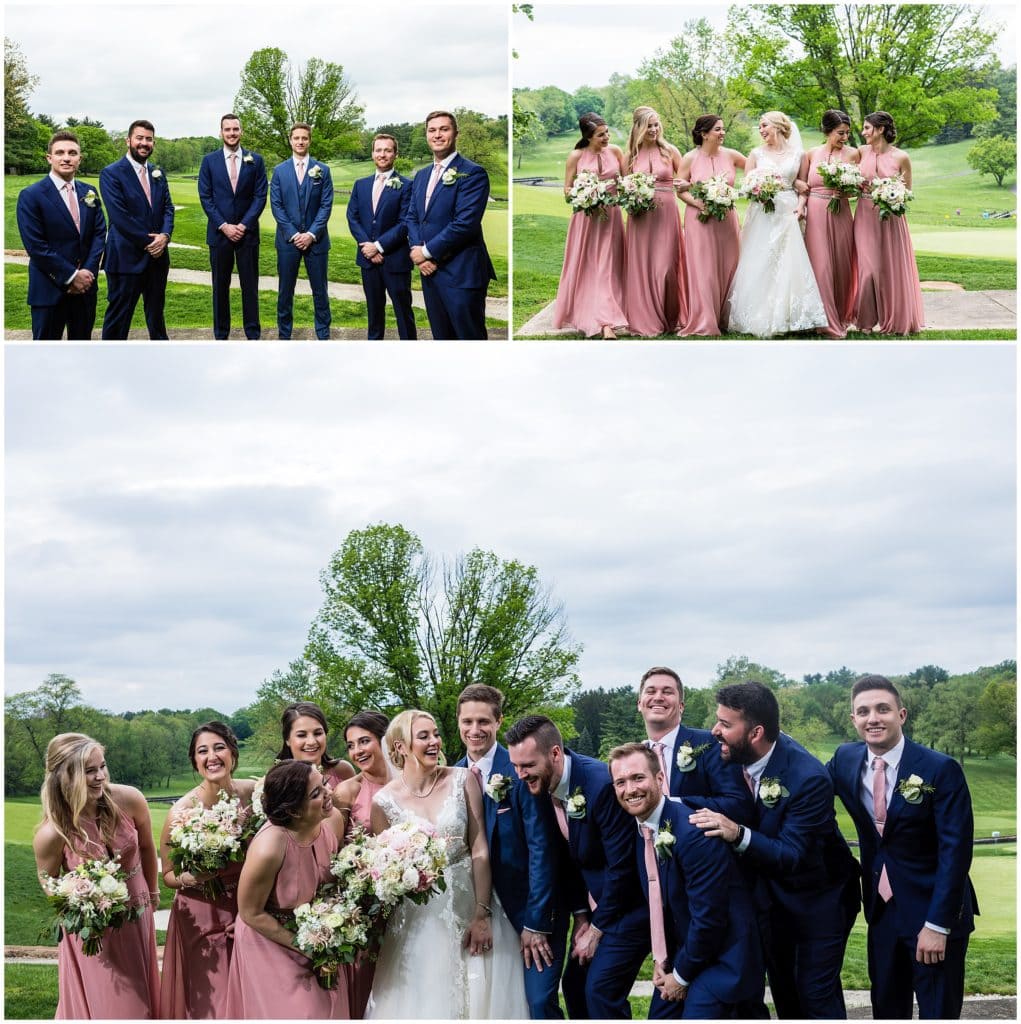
<point>169,508</point>
<point>576,44</point>
<point>179,65</point>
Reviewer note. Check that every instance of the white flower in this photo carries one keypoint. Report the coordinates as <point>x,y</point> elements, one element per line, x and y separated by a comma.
<point>771,790</point>
<point>108,885</point>
<point>315,173</point>
<point>664,841</point>
<point>575,805</point>
<point>913,788</point>
<point>450,176</point>
<point>90,198</point>
<point>248,158</point>
<point>685,758</point>
<point>497,787</point>
<point>157,173</point>
<point>393,182</point>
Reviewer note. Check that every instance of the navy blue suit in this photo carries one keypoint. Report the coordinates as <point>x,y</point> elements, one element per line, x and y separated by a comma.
<point>451,229</point>
<point>710,923</point>
<point>130,271</point>
<point>600,861</point>
<point>926,849</point>
<point>803,869</point>
<point>298,208</point>
<point>712,782</point>
<point>56,250</point>
<point>224,205</point>
<point>388,227</point>
<point>522,835</point>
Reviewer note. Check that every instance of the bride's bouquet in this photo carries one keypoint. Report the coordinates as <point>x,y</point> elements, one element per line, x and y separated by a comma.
<point>636,193</point>
<point>406,862</point>
<point>330,930</point>
<point>717,196</point>
<point>90,899</point>
<point>207,840</point>
<point>844,177</point>
<point>891,196</point>
<point>591,195</point>
<point>762,186</point>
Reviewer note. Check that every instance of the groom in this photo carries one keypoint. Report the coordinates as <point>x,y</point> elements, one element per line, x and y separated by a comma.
<point>522,845</point>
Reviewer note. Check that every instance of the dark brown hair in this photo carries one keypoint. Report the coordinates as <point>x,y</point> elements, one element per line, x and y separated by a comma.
<point>542,729</point>
<point>832,119</point>
<point>62,136</point>
<point>284,790</point>
<point>147,125</point>
<point>627,749</point>
<point>383,135</point>
<point>703,126</point>
<point>484,694</point>
<point>662,670</point>
<point>371,721</point>
<point>587,125</point>
<point>225,732</point>
<point>881,119</point>
<point>876,683</point>
<point>441,113</point>
<point>300,124</point>
<point>291,714</point>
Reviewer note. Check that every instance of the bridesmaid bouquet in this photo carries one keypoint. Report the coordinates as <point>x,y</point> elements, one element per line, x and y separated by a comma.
<point>636,193</point>
<point>717,195</point>
<point>762,186</point>
<point>203,841</point>
<point>845,178</point>
<point>89,899</point>
<point>330,931</point>
<point>891,196</point>
<point>590,195</point>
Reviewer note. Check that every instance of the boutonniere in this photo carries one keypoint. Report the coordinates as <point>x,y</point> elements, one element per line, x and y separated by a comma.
<point>664,841</point>
<point>450,176</point>
<point>156,174</point>
<point>393,182</point>
<point>913,789</point>
<point>497,787</point>
<point>575,804</point>
<point>315,173</point>
<point>687,756</point>
<point>90,198</point>
<point>771,790</point>
<point>248,159</point>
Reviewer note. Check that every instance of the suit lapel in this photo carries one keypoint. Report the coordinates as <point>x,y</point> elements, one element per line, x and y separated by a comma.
<point>910,763</point>
<point>776,768</point>
<point>53,194</point>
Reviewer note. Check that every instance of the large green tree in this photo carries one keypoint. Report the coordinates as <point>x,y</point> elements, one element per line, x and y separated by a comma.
<point>916,61</point>
<point>996,156</point>
<point>22,132</point>
<point>273,95</point>
<point>399,628</point>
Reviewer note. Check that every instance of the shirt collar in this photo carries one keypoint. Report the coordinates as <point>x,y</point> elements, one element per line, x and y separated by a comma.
<point>891,757</point>
<point>134,163</point>
<point>755,770</point>
<point>670,739</point>
<point>563,790</point>
<point>485,763</point>
<point>306,160</point>
<point>228,153</point>
<point>652,821</point>
<point>59,181</point>
<point>447,161</point>
<point>385,174</point>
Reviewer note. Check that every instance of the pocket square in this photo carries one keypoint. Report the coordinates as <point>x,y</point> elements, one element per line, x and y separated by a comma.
<point>502,810</point>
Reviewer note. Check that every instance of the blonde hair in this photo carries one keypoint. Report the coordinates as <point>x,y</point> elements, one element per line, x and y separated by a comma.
<point>639,129</point>
<point>400,732</point>
<point>780,121</point>
<point>64,792</point>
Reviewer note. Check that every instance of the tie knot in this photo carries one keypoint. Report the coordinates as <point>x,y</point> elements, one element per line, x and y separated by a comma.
<point>878,764</point>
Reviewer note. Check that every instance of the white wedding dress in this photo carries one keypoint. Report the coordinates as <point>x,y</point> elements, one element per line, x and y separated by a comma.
<point>423,971</point>
<point>774,290</point>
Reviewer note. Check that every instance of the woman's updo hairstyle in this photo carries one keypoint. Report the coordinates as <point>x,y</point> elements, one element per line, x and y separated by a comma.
<point>703,126</point>
<point>371,721</point>
<point>284,790</point>
<point>400,732</point>
<point>780,121</point>
<point>587,125</point>
<point>833,119</point>
<point>881,119</point>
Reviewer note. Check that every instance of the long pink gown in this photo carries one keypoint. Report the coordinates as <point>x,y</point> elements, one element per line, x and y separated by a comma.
<point>889,293</point>
<point>591,291</point>
<point>655,289</point>
<point>711,254</point>
<point>829,239</point>
<point>267,980</point>
<point>121,981</point>
<point>196,957</point>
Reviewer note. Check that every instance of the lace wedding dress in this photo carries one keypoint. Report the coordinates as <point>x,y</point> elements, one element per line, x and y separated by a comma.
<point>774,289</point>
<point>424,972</point>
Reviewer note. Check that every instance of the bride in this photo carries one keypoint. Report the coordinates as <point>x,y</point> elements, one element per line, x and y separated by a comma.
<point>457,956</point>
<point>774,289</point>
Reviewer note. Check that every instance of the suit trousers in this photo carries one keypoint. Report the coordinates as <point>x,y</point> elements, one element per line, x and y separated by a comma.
<point>75,312</point>
<point>599,990</point>
<point>895,973</point>
<point>222,259</point>
<point>454,313</point>
<point>542,988</point>
<point>288,263</point>
<point>122,294</point>
<point>698,1004</point>
<point>377,283</point>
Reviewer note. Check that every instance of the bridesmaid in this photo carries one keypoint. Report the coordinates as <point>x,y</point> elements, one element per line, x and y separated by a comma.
<point>86,817</point>
<point>712,248</point>
<point>364,735</point>
<point>304,730</point>
<point>287,861</point>
<point>655,290</point>
<point>889,294</point>
<point>196,958</point>
<point>590,296</point>
<point>829,237</point>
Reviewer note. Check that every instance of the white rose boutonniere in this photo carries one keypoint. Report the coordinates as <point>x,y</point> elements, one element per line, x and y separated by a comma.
<point>450,176</point>
<point>248,159</point>
<point>771,791</point>
<point>315,173</point>
<point>156,174</point>
<point>664,841</point>
<point>394,182</point>
<point>576,804</point>
<point>913,789</point>
<point>687,756</point>
<point>497,787</point>
<point>90,198</point>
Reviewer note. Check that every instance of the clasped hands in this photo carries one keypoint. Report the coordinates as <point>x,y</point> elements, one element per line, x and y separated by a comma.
<point>234,232</point>
<point>370,252</point>
<point>81,282</point>
<point>425,265</point>
<point>158,245</point>
<point>670,989</point>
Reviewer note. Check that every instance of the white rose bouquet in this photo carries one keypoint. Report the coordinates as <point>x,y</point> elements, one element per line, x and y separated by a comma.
<point>406,862</point>
<point>636,193</point>
<point>89,899</point>
<point>330,931</point>
<point>891,196</point>
<point>762,187</point>
<point>845,178</point>
<point>591,195</point>
<point>717,196</point>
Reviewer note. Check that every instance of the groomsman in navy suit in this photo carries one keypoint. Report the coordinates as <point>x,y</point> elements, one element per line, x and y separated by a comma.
<point>448,200</point>
<point>689,758</point>
<point>64,233</point>
<point>141,216</point>
<point>232,191</point>
<point>301,197</point>
<point>376,214</point>
<point>912,810</point>
<point>705,947</point>
<point>793,852</point>
<point>611,917</point>
<point>522,835</point>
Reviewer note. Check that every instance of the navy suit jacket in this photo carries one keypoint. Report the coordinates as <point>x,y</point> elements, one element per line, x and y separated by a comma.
<point>132,220</point>
<point>522,834</point>
<point>54,245</point>
<point>387,225</point>
<point>926,848</point>
<point>225,206</point>
<point>710,923</point>
<point>301,208</point>
<point>713,782</point>
<point>451,228</point>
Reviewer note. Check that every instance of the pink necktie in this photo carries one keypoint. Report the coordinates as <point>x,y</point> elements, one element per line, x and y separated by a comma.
<point>748,780</point>
<point>234,171</point>
<point>477,772</point>
<point>658,747</point>
<point>659,950</point>
<point>301,171</point>
<point>143,176</point>
<point>72,205</point>
<point>558,808</point>
<point>437,169</point>
<point>377,191</point>
<point>879,813</point>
